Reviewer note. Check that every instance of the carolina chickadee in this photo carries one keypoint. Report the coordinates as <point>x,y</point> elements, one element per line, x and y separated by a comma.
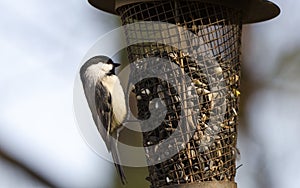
<point>105,97</point>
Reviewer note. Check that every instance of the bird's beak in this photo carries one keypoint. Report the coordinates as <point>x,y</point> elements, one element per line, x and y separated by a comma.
<point>116,64</point>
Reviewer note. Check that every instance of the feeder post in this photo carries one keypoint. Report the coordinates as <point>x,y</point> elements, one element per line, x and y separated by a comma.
<point>194,45</point>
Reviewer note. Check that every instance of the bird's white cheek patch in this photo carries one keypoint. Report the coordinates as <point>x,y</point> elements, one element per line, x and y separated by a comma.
<point>93,73</point>
<point>106,67</point>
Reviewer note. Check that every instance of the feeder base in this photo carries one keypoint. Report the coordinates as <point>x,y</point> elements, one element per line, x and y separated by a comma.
<point>209,184</point>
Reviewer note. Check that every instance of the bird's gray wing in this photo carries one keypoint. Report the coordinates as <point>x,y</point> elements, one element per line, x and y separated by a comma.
<point>104,111</point>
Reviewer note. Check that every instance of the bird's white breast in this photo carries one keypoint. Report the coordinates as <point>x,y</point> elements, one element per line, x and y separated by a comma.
<point>113,85</point>
<point>98,72</point>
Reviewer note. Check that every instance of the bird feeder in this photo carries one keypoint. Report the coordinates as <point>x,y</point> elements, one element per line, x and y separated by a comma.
<point>201,41</point>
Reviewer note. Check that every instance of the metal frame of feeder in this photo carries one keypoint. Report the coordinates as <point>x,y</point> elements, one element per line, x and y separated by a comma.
<point>205,149</point>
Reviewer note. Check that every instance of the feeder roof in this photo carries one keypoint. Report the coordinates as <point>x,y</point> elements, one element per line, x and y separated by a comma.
<point>253,10</point>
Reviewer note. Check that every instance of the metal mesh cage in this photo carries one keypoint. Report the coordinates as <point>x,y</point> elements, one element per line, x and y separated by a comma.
<point>206,104</point>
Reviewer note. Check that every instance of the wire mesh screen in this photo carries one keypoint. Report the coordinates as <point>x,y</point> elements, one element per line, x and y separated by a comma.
<point>198,94</point>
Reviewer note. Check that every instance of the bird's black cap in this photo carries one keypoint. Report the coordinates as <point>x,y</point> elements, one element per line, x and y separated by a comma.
<point>97,59</point>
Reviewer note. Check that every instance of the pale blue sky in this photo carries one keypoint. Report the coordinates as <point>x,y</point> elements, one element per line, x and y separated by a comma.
<point>42,45</point>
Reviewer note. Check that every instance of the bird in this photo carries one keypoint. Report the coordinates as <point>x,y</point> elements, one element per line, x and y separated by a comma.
<point>106,100</point>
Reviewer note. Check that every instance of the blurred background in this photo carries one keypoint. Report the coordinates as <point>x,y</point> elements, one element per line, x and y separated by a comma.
<point>42,45</point>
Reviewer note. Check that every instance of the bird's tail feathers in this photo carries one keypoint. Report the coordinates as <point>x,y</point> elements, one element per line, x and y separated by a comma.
<point>115,156</point>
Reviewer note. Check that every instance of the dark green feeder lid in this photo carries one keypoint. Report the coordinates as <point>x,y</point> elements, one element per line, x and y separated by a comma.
<point>253,10</point>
